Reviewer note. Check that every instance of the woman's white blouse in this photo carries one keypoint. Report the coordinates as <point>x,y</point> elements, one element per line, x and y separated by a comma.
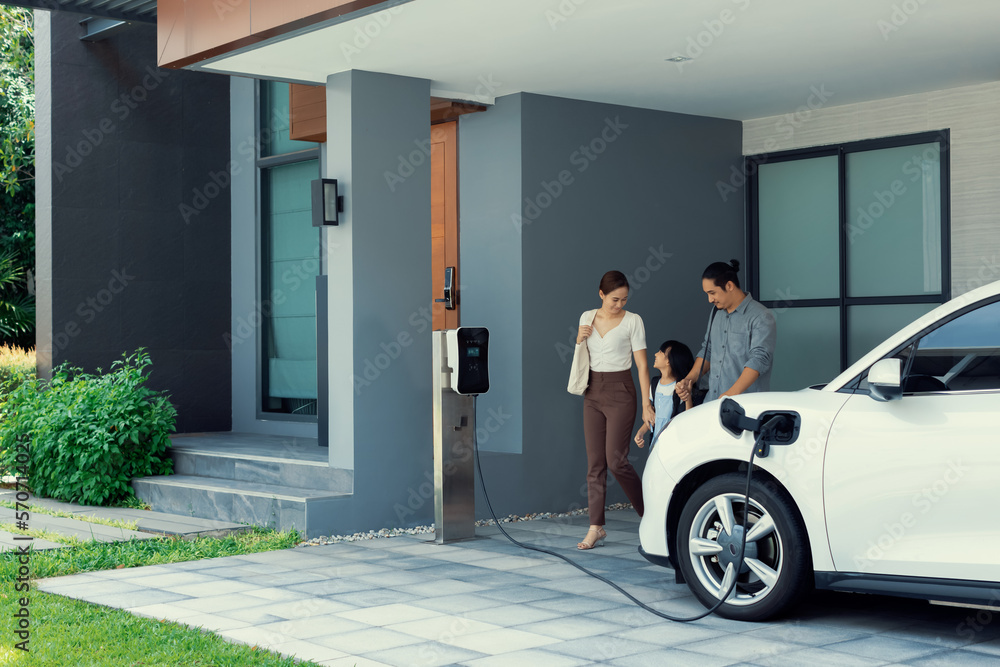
<point>614,351</point>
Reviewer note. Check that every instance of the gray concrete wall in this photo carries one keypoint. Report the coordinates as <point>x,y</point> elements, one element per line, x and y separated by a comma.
<point>604,187</point>
<point>379,264</point>
<point>133,189</point>
<point>489,158</point>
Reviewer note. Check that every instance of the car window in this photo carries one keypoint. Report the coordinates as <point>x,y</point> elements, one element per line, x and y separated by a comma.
<point>960,355</point>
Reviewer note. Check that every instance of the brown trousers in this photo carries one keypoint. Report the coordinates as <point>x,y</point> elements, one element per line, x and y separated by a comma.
<point>608,417</point>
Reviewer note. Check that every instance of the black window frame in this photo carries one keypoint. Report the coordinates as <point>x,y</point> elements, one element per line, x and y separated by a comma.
<point>842,150</point>
<point>262,164</point>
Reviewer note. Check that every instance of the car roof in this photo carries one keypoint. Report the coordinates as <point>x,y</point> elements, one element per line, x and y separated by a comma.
<point>892,342</point>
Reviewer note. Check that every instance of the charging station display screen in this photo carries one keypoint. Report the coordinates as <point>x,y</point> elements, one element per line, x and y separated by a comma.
<point>472,351</point>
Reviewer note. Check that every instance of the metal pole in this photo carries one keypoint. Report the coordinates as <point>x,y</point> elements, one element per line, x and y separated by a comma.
<point>454,428</point>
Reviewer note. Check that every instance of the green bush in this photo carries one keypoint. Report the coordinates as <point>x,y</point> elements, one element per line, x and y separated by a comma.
<point>89,435</point>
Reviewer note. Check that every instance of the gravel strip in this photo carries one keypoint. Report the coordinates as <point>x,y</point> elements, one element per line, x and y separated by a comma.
<point>420,530</point>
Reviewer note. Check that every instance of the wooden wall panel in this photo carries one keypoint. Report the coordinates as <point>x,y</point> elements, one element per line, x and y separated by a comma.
<point>307,112</point>
<point>189,31</point>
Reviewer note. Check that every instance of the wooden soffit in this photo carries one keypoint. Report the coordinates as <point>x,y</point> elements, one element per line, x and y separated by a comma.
<point>307,111</point>
<point>190,31</point>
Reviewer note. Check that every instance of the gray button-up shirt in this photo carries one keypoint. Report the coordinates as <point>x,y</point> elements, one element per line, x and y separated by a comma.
<point>741,339</point>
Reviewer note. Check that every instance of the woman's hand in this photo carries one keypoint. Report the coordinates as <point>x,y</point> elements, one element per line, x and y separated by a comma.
<point>649,415</point>
<point>584,334</point>
<point>639,440</point>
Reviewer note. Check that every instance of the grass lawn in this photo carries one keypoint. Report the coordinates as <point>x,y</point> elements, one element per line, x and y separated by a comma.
<point>70,632</point>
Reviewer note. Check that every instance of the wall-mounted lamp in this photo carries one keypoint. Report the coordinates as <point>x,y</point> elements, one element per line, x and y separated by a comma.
<point>326,204</point>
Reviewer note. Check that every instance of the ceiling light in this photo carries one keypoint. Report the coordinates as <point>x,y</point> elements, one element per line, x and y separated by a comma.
<point>678,59</point>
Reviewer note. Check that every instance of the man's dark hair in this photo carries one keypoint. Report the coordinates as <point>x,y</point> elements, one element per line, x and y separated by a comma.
<point>721,273</point>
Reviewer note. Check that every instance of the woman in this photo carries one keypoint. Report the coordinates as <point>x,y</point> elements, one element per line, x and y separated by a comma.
<point>613,337</point>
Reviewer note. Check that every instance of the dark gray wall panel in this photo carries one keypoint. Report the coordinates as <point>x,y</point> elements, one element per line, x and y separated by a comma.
<point>130,144</point>
<point>652,186</point>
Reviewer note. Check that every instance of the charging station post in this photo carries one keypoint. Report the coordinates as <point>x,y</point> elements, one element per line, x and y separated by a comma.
<point>460,370</point>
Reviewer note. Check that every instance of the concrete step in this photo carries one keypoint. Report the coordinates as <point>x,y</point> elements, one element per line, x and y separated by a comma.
<point>271,505</point>
<point>274,466</point>
<point>186,526</point>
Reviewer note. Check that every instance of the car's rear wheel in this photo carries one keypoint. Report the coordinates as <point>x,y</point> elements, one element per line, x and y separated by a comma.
<point>775,570</point>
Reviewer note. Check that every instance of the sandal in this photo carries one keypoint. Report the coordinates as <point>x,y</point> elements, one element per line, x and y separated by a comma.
<point>598,542</point>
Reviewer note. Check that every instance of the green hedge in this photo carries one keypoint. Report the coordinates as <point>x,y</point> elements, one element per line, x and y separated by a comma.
<point>89,435</point>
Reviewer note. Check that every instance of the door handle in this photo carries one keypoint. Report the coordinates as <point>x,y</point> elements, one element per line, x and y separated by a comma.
<point>450,299</point>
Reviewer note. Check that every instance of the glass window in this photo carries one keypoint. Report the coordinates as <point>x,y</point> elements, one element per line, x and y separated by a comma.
<point>807,350</point>
<point>289,261</point>
<point>799,246</point>
<point>961,355</point>
<point>854,235</point>
<point>894,221</point>
<point>869,326</point>
<point>291,264</point>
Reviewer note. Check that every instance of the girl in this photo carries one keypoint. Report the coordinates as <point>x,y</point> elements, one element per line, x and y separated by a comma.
<point>674,361</point>
<point>613,337</point>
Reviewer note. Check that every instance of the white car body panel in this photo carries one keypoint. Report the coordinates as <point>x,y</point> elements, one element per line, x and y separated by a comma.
<point>905,497</point>
<point>697,437</point>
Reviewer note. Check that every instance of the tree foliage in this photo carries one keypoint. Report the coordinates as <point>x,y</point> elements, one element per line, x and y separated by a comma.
<point>17,174</point>
<point>17,98</point>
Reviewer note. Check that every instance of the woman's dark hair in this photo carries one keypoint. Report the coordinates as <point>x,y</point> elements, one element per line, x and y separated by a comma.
<point>679,357</point>
<point>612,280</point>
<point>721,273</point>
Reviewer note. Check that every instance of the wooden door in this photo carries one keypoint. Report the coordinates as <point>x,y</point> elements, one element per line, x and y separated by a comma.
<point>444,219</point>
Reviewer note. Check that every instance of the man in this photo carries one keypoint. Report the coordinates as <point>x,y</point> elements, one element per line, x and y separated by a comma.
<point>740,345</point>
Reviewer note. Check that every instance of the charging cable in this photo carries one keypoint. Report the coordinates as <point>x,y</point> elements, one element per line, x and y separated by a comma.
<point>743,538</point>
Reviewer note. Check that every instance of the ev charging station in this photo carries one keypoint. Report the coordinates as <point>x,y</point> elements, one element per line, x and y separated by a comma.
<point>461,372</point>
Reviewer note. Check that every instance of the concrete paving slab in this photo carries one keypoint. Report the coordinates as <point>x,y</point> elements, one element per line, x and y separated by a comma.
<point>12,542</point>
<point>357,608</point>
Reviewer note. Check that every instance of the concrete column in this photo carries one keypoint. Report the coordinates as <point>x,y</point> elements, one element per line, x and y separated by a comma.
<point>379,267</point>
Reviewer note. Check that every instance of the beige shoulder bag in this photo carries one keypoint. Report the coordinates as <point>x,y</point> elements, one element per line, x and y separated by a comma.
<point>579,372</point>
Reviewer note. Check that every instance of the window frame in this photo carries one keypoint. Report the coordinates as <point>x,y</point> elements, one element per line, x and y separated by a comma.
<point>842,150</point>
<point>262,164</point>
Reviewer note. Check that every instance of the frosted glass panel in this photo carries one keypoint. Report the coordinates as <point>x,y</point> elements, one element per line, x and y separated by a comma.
<point>867,326</point>
<point>894,221</point>
<point>807,351</point>
<point>798,215</point>
<point>293,263</point>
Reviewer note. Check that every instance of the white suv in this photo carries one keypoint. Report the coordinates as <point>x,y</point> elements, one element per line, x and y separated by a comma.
<point>882,481</point>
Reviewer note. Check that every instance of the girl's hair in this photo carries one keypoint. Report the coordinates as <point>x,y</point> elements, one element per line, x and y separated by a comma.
<point>612,280</point>
<point>721,273</point>
<point>679,357</point>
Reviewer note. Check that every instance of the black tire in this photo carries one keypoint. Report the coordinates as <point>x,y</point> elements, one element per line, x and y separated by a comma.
<point>778,567</point>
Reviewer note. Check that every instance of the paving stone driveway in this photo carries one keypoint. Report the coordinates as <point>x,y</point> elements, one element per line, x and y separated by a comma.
<point>406,601</point>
